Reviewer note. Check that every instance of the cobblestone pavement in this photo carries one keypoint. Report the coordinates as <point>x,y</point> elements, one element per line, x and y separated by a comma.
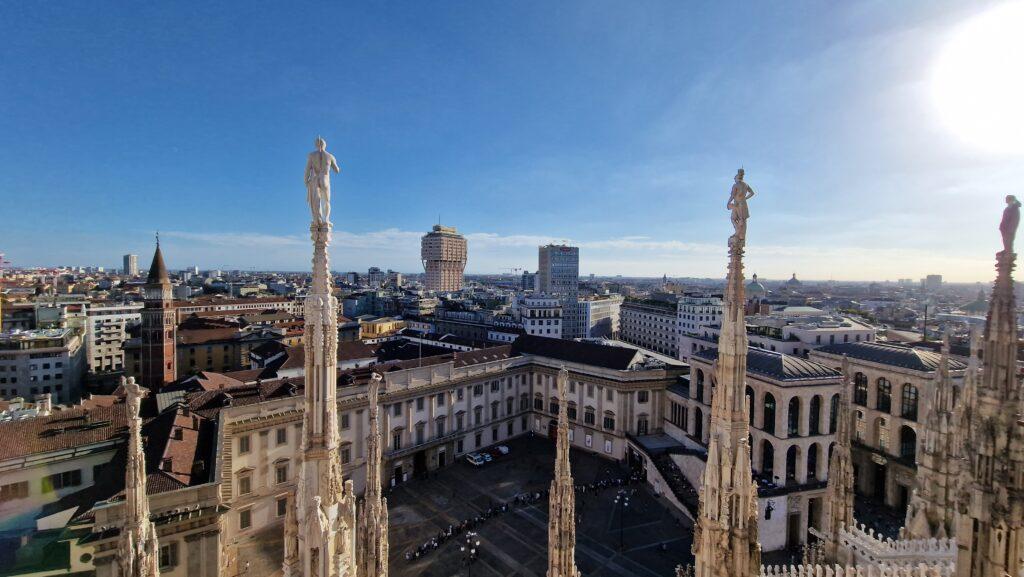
<point>515,542</point>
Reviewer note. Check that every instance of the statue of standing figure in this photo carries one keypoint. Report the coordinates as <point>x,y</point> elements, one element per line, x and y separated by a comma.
<point>318,181</point>
<point>1008,226</point>
<point>738,197</point>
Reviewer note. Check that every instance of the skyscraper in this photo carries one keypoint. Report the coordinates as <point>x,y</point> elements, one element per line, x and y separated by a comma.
<point>558,270</point>
<point>131,265</point>
<point>558,273</point>
<point>443,251</point>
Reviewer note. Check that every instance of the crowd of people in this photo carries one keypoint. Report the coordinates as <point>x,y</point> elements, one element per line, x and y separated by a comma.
<point>679,485</point>
<point>520,500</point>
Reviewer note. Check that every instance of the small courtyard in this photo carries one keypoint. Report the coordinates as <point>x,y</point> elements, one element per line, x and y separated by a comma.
<point>648,541</point>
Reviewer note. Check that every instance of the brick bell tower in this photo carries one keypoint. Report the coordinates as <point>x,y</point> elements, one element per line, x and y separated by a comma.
<point>159,327</point>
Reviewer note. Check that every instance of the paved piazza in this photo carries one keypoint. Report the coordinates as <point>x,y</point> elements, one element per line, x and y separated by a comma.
<point>515,542</point>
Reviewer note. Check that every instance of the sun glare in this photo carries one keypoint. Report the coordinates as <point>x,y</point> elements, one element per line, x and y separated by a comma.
<point>978,80</point>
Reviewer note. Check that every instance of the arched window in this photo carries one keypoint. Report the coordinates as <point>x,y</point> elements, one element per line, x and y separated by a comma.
<point>538,402</point>
<point>833,414</point>
<point>768,414</point>
<point>794,417</point>
<point>700,386</point>
<point>814,418</point>
<point>908,403</point>
<point>767,459</point>
<point>883,402</point>
<point>791,456</point>
<point>750,405</point>
<point>908,443</point>
<point>553,406</point>
<point>812,462</point>
<point>860,389</point>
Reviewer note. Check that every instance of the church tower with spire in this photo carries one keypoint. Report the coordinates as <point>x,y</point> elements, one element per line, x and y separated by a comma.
<point>990,524</point>
<point>726,538</point>
<point>159,327</point>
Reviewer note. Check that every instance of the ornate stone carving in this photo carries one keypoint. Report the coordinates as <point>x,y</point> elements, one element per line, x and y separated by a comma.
<point>726,536</point>
<point>562,497</point>
<point>137,550</point>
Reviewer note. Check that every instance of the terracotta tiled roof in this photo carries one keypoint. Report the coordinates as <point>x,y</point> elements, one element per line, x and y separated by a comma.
<point>63,429</point>
<point>198,337</point>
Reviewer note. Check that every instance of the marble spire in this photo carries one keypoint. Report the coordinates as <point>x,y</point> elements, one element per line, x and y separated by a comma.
<point>931,512</point>
<point>320,531</point>
<point>726,538</point>
<point>839,492</point>
<point>562,498</point>
<point>137,549</point>
<point>372,541</point>
<point>990,500</point>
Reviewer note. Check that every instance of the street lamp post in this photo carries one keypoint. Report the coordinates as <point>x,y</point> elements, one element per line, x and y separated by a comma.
<point>622,500</point>
<point>470,552</point>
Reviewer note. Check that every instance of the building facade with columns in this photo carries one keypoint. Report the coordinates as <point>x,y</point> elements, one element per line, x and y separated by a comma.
<point>891,384</point>
<point>792,421</point>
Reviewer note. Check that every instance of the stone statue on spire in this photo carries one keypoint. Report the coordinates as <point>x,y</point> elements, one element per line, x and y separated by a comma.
<point>320,531</point>
<point>319,166</point>
<point>738,197</point>
<point>1008,225</point>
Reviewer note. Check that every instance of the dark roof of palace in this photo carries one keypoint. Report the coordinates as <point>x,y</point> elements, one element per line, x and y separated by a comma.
<point>778,366</point>
<point>609,357</point>
<point>892,354</point>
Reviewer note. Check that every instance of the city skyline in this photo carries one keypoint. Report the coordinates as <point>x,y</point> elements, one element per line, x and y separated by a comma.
<point>505,127</point>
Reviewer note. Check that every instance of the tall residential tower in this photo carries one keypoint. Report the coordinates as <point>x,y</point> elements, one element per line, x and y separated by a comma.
<point>443,251</point>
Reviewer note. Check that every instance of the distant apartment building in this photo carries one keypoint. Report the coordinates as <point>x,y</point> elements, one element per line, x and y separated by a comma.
<point>444,254</point>
<point>792,330</point>
<point>695,311</point>
<point>650,324</point>
<point>599,316</point>
<point>541,316</point>
<point>229,306</point>
<point>375,277</point>
<point>107,327</point>
<point>42,361</point>
<point>528,282</point>
<point>130,267</point>
<point>932,282</point>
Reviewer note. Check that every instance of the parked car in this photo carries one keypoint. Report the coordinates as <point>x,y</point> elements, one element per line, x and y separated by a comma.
<point>476,459</point>
<point>487,457</point>
<point>502,449</point>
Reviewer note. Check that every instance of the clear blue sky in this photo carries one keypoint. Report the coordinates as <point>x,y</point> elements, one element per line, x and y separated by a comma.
<point>615,125</point>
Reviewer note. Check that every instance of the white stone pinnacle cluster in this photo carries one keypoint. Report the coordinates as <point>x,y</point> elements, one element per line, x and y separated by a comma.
<point>320,526</point>
<point>137,549</point>
<point>562,497</point>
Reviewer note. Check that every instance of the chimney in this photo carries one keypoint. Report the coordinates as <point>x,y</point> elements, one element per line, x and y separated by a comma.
<point>43,404</point>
